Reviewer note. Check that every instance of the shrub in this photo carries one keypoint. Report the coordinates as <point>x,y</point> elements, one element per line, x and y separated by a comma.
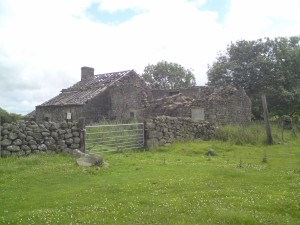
<point>6,117</point>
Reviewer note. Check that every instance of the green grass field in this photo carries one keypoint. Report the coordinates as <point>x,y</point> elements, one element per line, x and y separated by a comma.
<point>177,184</point>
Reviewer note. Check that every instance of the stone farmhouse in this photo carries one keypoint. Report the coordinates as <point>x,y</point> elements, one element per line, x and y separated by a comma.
<point>118,95</point>
<point>124,95</point>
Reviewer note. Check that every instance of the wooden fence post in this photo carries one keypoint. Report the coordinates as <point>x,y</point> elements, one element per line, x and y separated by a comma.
<point>81,126</point>
<point>266,118</point>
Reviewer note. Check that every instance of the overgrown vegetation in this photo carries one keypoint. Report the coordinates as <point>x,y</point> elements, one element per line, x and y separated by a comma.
<point>253,134</point>
<point>263,66</point>
<point>240,134</point>
<point>176,184</point>
<point>6,117</point>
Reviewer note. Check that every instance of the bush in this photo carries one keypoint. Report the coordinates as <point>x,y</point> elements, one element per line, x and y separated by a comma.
<point>8,117</point>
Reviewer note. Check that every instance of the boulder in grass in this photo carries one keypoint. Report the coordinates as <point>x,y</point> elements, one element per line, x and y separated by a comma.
<point>89,160</point>
<point>77,153</point>
<point>210,152</point>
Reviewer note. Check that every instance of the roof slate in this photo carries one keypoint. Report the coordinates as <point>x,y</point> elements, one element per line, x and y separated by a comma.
<point>82,91</point>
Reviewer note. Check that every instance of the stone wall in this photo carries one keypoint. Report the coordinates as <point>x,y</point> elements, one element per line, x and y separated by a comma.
<point>163,130</point>
<point>24,138</point>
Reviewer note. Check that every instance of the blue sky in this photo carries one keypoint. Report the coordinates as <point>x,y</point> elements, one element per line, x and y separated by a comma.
<point>221,7</point>
<point>43,44</point>
<point>95,13</point>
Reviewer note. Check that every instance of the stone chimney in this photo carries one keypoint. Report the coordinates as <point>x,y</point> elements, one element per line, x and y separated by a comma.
<point>87,73</point>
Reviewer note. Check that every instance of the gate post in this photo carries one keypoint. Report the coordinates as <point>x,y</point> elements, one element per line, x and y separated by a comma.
<point>81,126</point>
<point>266,118</point>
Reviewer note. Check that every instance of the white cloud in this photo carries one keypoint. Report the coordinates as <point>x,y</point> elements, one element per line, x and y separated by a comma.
<point>263,18</point>
<point>43,44</point>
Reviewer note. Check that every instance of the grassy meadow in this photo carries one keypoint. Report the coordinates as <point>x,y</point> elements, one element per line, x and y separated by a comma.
<point>245,182</point>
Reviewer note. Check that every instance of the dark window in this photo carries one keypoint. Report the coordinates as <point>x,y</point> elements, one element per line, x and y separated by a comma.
<point>171,93</point>
<point>131,114</point>
<point>47,117</point>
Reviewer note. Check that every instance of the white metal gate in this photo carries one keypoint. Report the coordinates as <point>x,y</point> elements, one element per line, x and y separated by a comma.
<point>118,137</point>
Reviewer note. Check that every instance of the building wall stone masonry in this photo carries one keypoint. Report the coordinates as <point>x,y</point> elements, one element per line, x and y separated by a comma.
<point>226,105</point>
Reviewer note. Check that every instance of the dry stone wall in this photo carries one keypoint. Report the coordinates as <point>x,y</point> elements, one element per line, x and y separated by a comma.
<point>24,138</point>
<point>163,130</point>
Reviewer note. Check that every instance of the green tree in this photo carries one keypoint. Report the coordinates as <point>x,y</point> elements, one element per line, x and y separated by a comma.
<point>264,66</point>
<point>5,117</point>
<point>165,75</point>
<point>8,117</point>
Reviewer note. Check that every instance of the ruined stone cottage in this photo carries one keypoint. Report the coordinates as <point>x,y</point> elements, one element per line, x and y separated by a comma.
<point>118,95</point>
<point>222,105</point>
<point>123,95</point>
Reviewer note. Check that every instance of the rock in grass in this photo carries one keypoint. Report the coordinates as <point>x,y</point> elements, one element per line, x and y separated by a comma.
<point>77,153</point>
<point>89,160</point>
<point>210,152</point>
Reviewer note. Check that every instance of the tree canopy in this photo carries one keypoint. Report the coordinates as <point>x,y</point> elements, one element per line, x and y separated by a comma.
<point>269,66</point>
<point>8,117</point>
<point>165,75</point>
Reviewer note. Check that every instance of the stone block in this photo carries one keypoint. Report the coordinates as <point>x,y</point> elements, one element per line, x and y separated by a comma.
<point>151,143</point>
<point>6,142</point>
<point>60,131</point>
<point>52,147</point>
<point>25,148</point>
<point>17,142</point>
<point>13,148</point>
<point>32,142</point>
<point>50,141</point>
<point>12,136</point>
<point>45,134</point>
<point>4,132</point>
<point>42,147</point>
<point>76,140</point>
<point>75,134</point>
<point>37,136</point>
<point>54,135</point>
<point>33,147</point>
<point>74,146</point>
<point>5,153</point>
<point>68,135</point>
<point>69,141</point>
<point>151,134</point>
<point>21,136</point>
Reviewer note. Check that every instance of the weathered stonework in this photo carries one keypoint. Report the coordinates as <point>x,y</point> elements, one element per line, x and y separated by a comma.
<point>220,106</point>
<point>24,138</point>
<point>121,95</point>
<point>164,130</point>
<point>225,106</point>
<point>124,95</point>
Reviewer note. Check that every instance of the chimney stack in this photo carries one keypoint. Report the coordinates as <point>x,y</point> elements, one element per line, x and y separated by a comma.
<point>87,73</point>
